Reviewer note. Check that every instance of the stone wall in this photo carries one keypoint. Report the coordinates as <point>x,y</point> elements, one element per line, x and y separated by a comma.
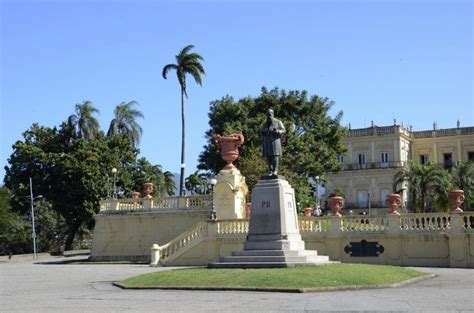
<point>188,238</point>
<point>129,236</point>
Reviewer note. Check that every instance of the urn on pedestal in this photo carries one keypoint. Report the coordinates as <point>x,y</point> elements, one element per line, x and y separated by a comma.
<point>135,195</point>
<point>148,189</point>
<point>393,201</point>
<point>229,146</point>
<point>336,203</point>
<point>456,199</point>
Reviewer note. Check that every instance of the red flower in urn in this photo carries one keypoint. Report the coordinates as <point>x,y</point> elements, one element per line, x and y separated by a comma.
<point>229,146</point>
<point>456,198</point>
<point>393,201</point>
<point>336,203</point>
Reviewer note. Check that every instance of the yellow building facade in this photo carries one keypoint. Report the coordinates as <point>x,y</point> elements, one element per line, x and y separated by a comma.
<point>375,154</point>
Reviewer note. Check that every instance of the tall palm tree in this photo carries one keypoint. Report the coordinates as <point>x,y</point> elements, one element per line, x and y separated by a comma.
<point>196,183</point>
<point>428,185</point>
<point>186,63</point>
<point>85,124</point>
<point>168,183</point>
<point>145,172</point>
<point>125,122</point>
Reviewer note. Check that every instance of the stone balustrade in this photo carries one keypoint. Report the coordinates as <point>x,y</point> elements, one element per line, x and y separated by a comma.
<point>183,240</point>
<point>235,226</point>
<point>112,206</point>
<point>405,223</point>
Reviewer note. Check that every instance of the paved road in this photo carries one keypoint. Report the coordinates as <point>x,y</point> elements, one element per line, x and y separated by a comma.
<point>28,287</point>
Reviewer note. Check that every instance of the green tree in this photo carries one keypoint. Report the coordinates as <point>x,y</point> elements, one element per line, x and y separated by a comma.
<point>70,174</point>
<point>15,232</point>
<point>145,172</point>
<point>463,178</point>
<point>186,63</point>
<point>311,144</point>
<point>197,183</point>
<point>83,121</point>
<point>125,122</point>
<point>428,186</point>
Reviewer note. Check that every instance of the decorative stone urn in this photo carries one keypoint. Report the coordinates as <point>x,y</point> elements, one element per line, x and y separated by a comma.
<point>456,198</point>
<point>148,189</point>
<point>308,211</point>
<point>393,201</point>
<point>336,203</point>
<point>229,146</point>
<point>135,195</point>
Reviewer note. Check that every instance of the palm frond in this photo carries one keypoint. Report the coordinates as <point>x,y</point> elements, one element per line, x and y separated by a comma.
<point>167,68</point>
<point>186,49</point>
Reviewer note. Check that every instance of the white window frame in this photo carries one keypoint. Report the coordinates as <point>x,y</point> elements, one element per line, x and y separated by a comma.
<point>383,196</point>
<point>384,159</point>
<point>362,159</point>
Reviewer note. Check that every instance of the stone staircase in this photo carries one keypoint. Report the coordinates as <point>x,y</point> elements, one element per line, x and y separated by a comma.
<point>270,259</point>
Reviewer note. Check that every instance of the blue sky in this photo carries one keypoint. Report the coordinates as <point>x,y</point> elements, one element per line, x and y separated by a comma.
<point>378,60</point>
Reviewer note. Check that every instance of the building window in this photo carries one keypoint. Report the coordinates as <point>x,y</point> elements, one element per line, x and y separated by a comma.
<point>340,158</point>
<point>470,156</point>
<point>384,159</point>
<point>363,197</point>
<point>447,160</point>
<point>362,161</point>
<point>424,159</point>
<point>383,196</point>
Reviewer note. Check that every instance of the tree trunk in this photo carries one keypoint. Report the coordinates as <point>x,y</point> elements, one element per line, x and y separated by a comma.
<point>183,136</point>
<point>70,236</point>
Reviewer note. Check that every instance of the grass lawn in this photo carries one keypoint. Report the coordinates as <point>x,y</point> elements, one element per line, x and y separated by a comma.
<point>300,277</point>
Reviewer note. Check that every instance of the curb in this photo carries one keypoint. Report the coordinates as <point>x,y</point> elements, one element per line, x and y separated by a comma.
<point>287,290</point>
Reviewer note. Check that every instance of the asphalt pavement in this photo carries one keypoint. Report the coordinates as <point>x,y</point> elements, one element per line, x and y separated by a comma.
<point>27,286</point>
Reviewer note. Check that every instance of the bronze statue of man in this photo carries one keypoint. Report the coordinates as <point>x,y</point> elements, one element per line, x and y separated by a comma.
<point>272,131</point>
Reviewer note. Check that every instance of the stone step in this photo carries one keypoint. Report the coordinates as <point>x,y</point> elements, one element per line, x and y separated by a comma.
<point>275,253</point>
<point>292,259</point>
<point>263,264</point>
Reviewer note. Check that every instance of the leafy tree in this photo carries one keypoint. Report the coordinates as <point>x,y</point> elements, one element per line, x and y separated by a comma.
<point>15,233</point>
<point>463,178</point>
<point>312,142</point>
<point>428,186</point>
<point>125,122</point>
<point>186,63</point>
<point>85,124</point>
<point>70,174</point>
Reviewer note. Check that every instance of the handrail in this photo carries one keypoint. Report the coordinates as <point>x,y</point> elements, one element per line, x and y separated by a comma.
<point>190,235</point>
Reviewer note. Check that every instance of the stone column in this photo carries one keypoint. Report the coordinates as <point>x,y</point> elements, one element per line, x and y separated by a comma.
<point>229,194</point>
<point>114,204</point>
<point>459,255</point>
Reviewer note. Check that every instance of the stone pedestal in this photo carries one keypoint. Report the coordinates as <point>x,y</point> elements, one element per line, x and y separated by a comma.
<point>229,194</point>
<point>274,239</point>
<point>273,220</point>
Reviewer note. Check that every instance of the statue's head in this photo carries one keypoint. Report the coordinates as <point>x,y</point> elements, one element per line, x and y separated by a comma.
<point>270,113</point>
